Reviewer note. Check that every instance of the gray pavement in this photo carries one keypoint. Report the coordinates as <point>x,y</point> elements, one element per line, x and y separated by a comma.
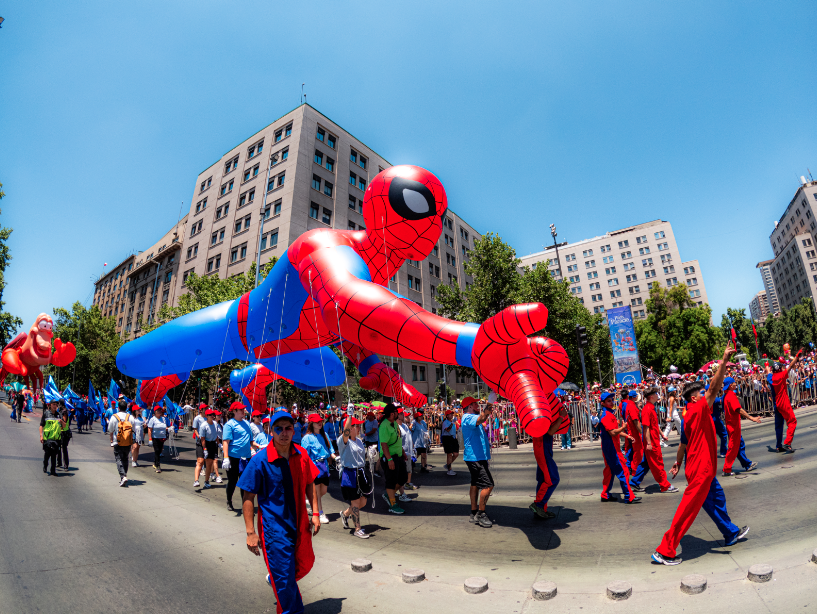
<point>78,542</point>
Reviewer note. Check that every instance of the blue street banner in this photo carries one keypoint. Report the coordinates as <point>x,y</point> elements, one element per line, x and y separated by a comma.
<point>626,364</point>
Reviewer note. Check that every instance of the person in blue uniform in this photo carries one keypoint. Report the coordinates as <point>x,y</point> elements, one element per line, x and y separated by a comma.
<point>720,427</point>
<point>615,465</point>
<point>282,476</point>
<point>547,473</point>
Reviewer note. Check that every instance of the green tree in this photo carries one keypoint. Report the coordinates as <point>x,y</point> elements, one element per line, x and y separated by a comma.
<point>675,331</point>
<point>796,326</point>
<point>8,322</point>
<point>97,343</point>
<point>444,391</point>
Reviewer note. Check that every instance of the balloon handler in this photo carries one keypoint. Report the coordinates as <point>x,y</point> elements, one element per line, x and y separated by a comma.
<point>699,443</point>
<point>547,473</point>
<point>615,465</point>
<point>331,288</point>
<point>282,477</point>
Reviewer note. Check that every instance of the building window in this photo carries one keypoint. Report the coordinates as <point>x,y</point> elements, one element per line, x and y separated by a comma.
<point>659,234</point>
<point>352,179</point>
<point>330,140</point>
<point>231,165</point>
<point>281,179</point>
<point>643,251</point>
<point>318,158</point>
<point>246,198</point>
<point>327,188</point>
<point>612,282</point>
<point>361,183</point>
<point>587,252</point>
<point>288,130</point>
<point>576,290</point>
<point>316,183</point>
<point>662,247</point>
<point>646,262</point>
<point>590,264</point>
<point>625,255</point>
<point>321,135</point>
<point>622,244</point>
<point>615,293</point>
<point>168,276</point>
<point>327,216</point>
<point>669,269</point>
<point>635,301</point>
<point>592,275</point>
<point>607,259</point>
<point>213,264</point>
<point>313,211</point>
<point>330,164</point>
<point>640,240</point>
<point>352,226</point>
<point>195,228</point>
<point>610,270</point>
<point>193,251</point>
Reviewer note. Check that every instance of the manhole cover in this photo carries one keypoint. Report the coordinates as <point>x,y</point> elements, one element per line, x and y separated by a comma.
<point>587,494</point>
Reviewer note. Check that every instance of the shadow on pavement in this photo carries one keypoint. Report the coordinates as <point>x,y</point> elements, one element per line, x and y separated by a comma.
<point>327,605</point>
<point>694,547</point>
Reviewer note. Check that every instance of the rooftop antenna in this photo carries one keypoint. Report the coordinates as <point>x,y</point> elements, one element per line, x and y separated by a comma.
<point>809,173</point>
<point>303,96</point>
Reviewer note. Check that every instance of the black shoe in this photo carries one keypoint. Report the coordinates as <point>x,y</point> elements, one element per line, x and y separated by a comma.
<point>780,449</point>
<point>633,500</point>
<point>636,488</point>
<point>424,470</point>
<point>45,470</point>
<point>610,499</point>
<point>788,449</point>
<point>725,474</point>
<point>230,506</point>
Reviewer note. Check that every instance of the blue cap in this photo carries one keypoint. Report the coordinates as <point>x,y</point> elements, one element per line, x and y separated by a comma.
<point>671,389</point>
<point>728,382</point>
<point>281,414</point>
<point>606,395</point>
<point>706,387</point>
<point>632,393</point>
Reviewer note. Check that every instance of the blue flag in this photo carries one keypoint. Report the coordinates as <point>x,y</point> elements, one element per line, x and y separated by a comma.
<point>113,394</point>
<point>93,401</point>
<point>50,392</point>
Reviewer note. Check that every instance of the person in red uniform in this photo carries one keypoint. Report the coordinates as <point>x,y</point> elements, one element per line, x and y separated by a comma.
<point>615,465</point>
<point>547,473</point>
<point>778,378</point>
<point>699,443</point>
<point>733,412</point>
<point>632,418</point>
<point>283,477</point>
<point>653,459</point>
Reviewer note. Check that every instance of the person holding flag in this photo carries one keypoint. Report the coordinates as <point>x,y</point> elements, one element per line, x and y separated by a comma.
<point>699,445</point>
<point>778,378</point>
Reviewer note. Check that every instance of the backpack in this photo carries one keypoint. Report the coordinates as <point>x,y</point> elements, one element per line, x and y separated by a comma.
<point>52,431</point>
<point>124,431</point>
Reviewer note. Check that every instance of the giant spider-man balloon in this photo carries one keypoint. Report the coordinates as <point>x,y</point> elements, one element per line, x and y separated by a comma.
<point>331,287</point>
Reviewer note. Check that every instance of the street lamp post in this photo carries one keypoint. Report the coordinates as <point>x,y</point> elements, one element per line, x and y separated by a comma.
<point>553,233</point>
<point>598,363</point>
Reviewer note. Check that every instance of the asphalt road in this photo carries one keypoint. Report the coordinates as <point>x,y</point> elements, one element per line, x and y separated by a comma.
<point>79,543</point>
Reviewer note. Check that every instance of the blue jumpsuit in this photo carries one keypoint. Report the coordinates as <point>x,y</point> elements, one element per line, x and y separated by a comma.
<point>284,527</point>
<point>720,427</point>
<point>615,465</point>
<point>547,474</point>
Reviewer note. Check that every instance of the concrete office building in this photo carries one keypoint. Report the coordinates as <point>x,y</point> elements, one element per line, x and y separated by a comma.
<point>618,268</point>
<point>794,267</point>
<point>138,286</point>
<point>318,173</point>
<point>759,307</point>
<point>768,286</point>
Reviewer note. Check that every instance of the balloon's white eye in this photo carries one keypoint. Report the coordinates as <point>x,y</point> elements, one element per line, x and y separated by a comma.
<point>415,201</point>
<point>45,325</point>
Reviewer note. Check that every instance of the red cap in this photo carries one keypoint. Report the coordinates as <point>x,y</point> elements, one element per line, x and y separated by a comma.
<point>357,421</point>
<point>209,412</point>
<point>202,405</point>
<point>216,412</point>
<point>257,412</point>
<point>265,420</point>
<point>449,411</point>
<point>158,407</point>
<point>467,401</point>
<point>314,418</point>
<point>235,405</point>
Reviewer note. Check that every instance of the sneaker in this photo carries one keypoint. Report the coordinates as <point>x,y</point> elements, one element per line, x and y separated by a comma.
<point>207,485</point>
<point>636,488</point>
<point>779,449</point>
<point>123,481</point>
<point>344,520</point>
<point>451,473</point>
<point>665,560</point>
<point>219,480</point>
<point>472,518</point>
<point>324,519</point>
<point>409,486</point>
<point>741,534</point>
<point>721,455</point>
<point>670,489</point>
<point>562,448</point>
<point>633,500</point>
<point>568,447</point>
<point>396,509</point>
<point>752,467</point>
<point>403,498</point>
<point>447,467</point>
<point>788,449</point>
<point>133,464</point>
<point>386,499</point>
<point>484,521</point>
<point>213,476</point>
<point>230,507</point>
<point>537,511</point>
<point>361,534</point>
<point>726,474</point>
<point>196,484</point>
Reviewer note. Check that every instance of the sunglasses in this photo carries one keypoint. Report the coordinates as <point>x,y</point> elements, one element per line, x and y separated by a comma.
<point>283,429</point>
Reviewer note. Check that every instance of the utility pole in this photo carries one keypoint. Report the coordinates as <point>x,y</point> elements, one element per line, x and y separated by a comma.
<point>598,363</point>
<point>553,233</point>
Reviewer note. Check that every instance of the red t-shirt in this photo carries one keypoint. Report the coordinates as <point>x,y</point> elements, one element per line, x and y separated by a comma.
<point>731,408</point>
<point>649,419</point>
<point>781,390</point>
<point>631,417</point>
<point>699,432</point>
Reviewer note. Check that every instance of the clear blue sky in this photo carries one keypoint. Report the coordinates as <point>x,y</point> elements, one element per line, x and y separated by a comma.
<point>589,115</point>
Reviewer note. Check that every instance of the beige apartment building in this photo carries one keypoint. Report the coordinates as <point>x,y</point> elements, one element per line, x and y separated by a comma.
<point>303,171</point>
<point>136,288</point>
<point>768,286</point>
<point>618,268</point>
<point>794,267</point>
<point>759,307</point>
